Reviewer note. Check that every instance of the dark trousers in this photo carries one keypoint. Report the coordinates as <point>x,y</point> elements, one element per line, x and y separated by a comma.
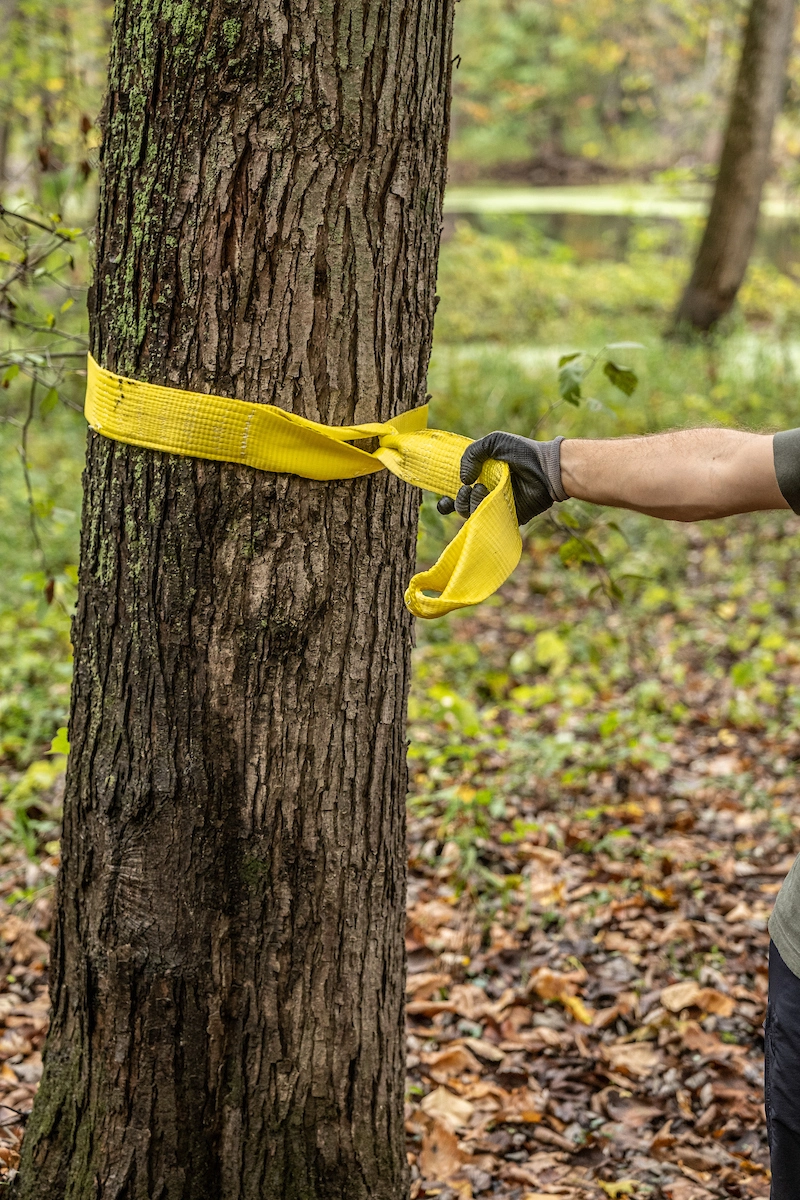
<point>782,1077</point>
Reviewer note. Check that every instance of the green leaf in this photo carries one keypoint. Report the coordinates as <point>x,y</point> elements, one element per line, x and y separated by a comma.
<point>66,305</point>
<point>595,551</point>
<point>49,402</point>
<point>10,373</point>
<point>609,723</point>
<point>574,552</point>
<point>570,375</point>
<point>622,377</point>
<point>565,358</point>
<point>60,743</point>
<point>743,673</point>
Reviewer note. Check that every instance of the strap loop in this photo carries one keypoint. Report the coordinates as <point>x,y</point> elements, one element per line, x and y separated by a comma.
<point>480,557</point>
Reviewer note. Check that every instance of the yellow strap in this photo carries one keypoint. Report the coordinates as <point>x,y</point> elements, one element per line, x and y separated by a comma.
<point>478,560</point>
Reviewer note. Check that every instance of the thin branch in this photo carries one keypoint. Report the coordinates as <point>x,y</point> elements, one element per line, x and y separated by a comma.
<point>23,449</point>
<point>62,237</point>
<point>547,413</point>
<point>23,350</point>
<point>51,330</point>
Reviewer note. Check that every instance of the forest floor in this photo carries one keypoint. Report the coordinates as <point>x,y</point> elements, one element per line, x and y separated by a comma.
<point>603,805</point>
<point>594,852</point>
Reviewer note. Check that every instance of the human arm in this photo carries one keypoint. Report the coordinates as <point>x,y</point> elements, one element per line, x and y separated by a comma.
<point>688,475</point>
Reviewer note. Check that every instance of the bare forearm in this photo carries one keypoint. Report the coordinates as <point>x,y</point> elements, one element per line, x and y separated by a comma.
<point>689,475</point>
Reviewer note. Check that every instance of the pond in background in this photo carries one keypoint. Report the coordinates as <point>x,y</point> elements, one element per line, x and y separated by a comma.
<point>615,222</point>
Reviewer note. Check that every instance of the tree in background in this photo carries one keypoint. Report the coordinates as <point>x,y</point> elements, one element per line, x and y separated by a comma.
<point>228,969</point>
<point>50,75</point>
<point>563,86</point>
<point>733,218</point>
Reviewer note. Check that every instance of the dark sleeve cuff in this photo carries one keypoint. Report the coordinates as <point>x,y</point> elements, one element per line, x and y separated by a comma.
<point>786,448</point>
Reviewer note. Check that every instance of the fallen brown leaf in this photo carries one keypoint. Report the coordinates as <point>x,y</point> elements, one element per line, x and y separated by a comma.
<point>424,985</point>
<point>453,1111</point>
<point>442,1064</point>
<point>635,1059</point>
<point>485,1049</point>
<point>440,1156</point>
<point>712,1001</point>
<point>681,995</point>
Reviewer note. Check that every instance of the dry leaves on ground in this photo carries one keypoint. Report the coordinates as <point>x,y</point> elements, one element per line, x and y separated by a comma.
<point>24,1002</point>
<point>588,968</point>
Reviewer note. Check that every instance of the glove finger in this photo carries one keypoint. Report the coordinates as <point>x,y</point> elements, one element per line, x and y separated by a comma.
<point>477,454</point>
<point>462,500</point>
<point>446,506</point>
<point>479,492</point>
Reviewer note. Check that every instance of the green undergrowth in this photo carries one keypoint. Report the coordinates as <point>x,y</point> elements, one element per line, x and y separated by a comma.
<point>35,673</point>
<point>511,307</point>
<point>37,592</point>
<point>524,288</point>
<point>552,687</point>
<point>582,664</point>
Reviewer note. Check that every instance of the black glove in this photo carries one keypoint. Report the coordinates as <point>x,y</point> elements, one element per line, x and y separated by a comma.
<point>535,474</point>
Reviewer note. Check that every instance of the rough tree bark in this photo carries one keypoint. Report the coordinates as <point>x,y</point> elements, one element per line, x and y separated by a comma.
<point>228,965</point>
<point>733,218</point>
<point>5,142</point>
<point>8,17</point>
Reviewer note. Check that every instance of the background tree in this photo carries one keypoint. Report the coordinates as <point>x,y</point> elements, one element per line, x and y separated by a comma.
<point>52,67</point>
<point>228,964</point>
<point>733,218</point>
<point>567,89</point>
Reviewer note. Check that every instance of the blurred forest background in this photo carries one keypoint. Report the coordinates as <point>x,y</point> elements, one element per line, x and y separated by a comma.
<point>603,762</point>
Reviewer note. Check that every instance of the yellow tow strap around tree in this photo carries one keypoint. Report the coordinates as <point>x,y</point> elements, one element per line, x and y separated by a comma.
<point>480,557</point>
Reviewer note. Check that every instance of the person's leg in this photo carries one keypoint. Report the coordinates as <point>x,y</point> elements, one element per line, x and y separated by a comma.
<point>782,1077</point>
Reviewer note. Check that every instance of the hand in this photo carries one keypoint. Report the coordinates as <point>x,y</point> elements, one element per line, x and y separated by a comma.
<point>535,474</point>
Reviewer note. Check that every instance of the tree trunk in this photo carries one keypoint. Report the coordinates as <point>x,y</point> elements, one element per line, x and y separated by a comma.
<point>228,966</point>
<point>8,18</point>
<point>5,143</point>
<point>732,221</point>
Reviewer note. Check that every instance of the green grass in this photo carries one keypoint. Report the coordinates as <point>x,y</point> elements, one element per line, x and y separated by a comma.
<point>511,290</point>
<point>747,383</point>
